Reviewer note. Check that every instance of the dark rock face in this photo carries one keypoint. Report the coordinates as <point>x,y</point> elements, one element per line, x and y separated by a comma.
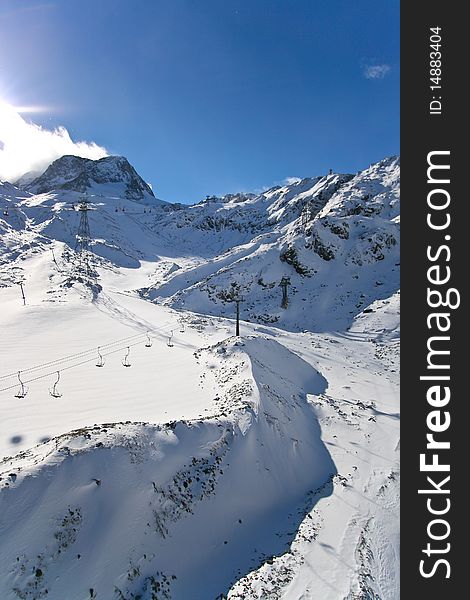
<point>80,174</point>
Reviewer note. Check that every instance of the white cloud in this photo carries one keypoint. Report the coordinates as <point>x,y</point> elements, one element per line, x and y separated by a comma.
<point>376,71</point>
<point>291,180</point>
<point>278,183</point>
<point>25,146</point>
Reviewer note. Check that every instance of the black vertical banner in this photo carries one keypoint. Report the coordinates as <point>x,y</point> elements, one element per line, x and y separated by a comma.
<point>435,354</point>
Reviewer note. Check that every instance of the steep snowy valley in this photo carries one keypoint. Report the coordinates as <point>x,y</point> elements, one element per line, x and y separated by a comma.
<point>148,452</point>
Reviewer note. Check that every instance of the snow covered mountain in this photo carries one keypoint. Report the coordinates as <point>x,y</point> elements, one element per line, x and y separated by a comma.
<point>147,452</point>
<point>108,174</point>
<point>335,237</point>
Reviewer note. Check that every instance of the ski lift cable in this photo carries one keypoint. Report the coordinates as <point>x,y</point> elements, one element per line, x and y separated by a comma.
<point>71,356</point>
<point>59,361</point>
<point>82,362</point>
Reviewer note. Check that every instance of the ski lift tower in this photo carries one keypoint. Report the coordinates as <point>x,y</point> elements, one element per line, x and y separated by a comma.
<point>238,299</point>
<point>83,240</point>
<point>236,296</point>
<point>285,281</point>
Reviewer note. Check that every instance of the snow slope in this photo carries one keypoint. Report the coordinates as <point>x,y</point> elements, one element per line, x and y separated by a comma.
<point>259,467</point>
<point>335,237</point>
<point>197,499</point>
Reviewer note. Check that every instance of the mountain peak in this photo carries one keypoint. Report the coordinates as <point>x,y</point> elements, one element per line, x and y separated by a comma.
<point>83,174</point>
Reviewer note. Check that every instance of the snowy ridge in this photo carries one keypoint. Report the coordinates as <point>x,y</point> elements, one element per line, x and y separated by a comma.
<point>242,467</point>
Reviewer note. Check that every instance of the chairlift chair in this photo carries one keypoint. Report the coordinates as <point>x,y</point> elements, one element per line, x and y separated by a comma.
<point>54,392</point>
<point>23,390</point>
<point>100,362</point>
<point>125,361</point>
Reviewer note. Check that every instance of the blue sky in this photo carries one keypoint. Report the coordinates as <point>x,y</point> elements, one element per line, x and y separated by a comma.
<point>211,96</point>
